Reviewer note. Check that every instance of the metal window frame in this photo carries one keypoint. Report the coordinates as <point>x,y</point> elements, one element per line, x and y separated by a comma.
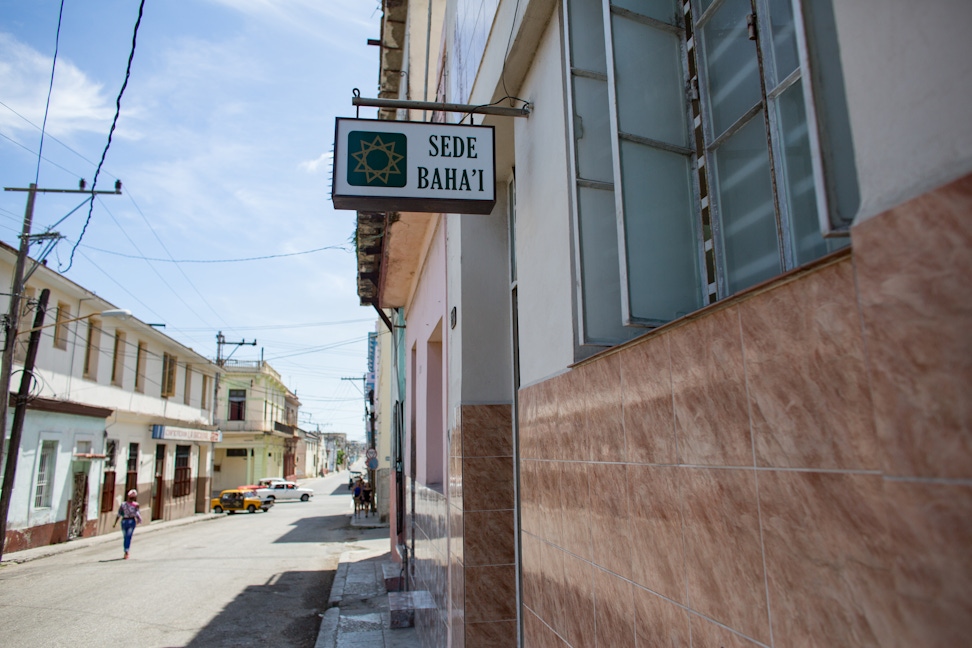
<point>629,319</point>
<point>768,105</point>
<point>584,343</point>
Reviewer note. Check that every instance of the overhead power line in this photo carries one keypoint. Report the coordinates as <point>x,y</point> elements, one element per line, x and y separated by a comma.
<point>51,137</point>
<point>257,258</point>
<point>50,89</point>
<point>33,152</point>
<point>111,131</point>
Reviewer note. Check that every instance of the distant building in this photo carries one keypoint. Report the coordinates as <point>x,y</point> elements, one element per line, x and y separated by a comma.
<point>116,405</point>
<point>257,415</point>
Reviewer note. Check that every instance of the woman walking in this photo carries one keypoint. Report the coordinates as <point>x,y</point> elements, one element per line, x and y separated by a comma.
<point>129,515</point>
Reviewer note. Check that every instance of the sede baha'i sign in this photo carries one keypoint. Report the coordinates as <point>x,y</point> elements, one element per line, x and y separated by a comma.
<point>413,166</point>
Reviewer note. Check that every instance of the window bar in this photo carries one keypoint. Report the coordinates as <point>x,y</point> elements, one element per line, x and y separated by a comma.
<point>781,238</point>
<point>701,175</point>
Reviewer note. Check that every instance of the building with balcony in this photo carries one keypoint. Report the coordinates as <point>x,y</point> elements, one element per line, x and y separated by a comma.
<point>257,415</point>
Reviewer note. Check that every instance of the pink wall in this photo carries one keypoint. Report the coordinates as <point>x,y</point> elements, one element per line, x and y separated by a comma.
<point>791,467</point>
<point>423,319</point>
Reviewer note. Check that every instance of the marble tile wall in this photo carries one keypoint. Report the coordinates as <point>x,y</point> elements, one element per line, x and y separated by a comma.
<point>791,468</point>
<point>465,538</point>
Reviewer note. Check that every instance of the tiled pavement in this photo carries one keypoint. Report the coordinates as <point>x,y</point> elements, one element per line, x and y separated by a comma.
<point>358,616</point>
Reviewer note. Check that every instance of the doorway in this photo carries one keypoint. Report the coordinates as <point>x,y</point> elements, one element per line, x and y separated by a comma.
<point>79,505</point>
<point>158,486</point>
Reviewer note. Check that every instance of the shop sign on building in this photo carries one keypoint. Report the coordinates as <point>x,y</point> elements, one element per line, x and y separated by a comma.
<point>172,433</point>
<point>413,166</point>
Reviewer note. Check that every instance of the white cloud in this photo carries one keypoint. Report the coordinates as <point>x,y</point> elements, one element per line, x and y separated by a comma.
<point>311,166</point>
<point>300,14</point>
<point>77,103</point>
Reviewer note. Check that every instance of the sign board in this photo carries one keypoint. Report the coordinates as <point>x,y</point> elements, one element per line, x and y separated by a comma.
<point>413,166</point>
<point>172,433</point>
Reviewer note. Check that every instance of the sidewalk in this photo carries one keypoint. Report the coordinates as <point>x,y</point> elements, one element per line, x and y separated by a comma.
<point>18,557</point>
<point>358,614</point>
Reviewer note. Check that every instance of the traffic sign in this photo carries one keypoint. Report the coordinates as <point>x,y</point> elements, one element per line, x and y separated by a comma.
<point>372,464</point>
<point>371,453</point>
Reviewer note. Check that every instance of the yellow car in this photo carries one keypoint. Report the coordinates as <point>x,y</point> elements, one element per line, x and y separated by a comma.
<point>234,500</point>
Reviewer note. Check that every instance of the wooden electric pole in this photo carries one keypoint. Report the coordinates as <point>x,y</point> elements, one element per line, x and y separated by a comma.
<point>17,290</point>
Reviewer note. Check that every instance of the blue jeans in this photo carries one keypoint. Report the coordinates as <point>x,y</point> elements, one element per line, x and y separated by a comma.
<point>128,528</point>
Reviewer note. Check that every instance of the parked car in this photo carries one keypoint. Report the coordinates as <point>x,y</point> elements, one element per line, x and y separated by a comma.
<point>234,500</point>
<point>265,482</point>
<point>285,490</point>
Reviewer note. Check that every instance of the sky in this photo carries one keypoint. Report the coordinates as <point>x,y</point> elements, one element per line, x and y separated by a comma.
<point>223,145</point>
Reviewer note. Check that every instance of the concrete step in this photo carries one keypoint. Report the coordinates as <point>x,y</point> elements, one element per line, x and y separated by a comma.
<point>392,573</point>
<point>402,606</point>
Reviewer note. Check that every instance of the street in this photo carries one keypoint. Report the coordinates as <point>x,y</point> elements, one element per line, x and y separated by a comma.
<point>259,579</point>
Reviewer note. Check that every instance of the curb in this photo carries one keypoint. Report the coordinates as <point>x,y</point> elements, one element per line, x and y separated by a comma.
<point>331,619</point>
<point>36,553</point>
<point>327,636</point>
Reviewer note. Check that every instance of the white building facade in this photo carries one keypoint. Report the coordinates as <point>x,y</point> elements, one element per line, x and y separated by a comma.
<point>115,405</point>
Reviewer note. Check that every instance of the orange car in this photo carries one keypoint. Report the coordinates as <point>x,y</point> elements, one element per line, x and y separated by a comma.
<point>236,499</point>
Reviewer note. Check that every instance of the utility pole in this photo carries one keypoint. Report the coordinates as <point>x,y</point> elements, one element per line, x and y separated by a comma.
<point>221,342</point>
<point>17,289</point>
<point>220,361</point>
<point>20,412</point>
<point>369,399</point>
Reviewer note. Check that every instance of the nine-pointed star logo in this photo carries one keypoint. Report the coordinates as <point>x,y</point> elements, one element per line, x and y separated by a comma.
<point>377,159</point>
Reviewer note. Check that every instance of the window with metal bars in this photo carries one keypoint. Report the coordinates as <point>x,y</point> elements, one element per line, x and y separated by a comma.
<point>701,165</point>
<point>182,485</point>
<point>44,488</point>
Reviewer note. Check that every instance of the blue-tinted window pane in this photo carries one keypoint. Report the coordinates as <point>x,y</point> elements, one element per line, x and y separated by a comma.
<point>659,236</point>
<point>586,21</point>
<point>729,58</point>
<point>786,58</point>
<point>798,188</point>
<point>745,203</point>
<point>592,130</point>
<point>600,269</point>
<point>662,10</point>
<point>650,82</point>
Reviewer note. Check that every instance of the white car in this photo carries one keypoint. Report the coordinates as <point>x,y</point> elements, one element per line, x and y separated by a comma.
<point>285,490</point>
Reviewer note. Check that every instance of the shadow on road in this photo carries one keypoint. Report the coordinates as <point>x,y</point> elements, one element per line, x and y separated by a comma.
<point>342,489</point>
<point>285,611</point>
<point>315,529</point>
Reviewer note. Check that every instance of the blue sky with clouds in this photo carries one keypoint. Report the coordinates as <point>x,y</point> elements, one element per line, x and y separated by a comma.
<point>223,146</point>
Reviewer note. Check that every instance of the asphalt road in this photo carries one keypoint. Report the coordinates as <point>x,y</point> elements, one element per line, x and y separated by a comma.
<point>260,579</point>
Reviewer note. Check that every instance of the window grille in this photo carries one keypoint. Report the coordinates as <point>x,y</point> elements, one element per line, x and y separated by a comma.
<point>44,490</point>
<point>183,482</point>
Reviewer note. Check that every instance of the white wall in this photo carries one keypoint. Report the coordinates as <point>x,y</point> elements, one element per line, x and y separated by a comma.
<point>543,218</point>
<point>67,430</point>
<point>479,283</point>
<point>908,76</point>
